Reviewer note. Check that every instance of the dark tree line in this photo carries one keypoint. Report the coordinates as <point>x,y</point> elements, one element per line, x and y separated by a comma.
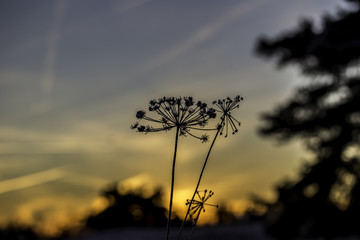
<point>15,231</point>
<point>129,208</point>
<point>325,114</point>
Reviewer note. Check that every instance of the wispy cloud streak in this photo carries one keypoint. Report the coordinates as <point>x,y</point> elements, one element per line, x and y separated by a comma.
<point>127,5</point>
<point>52,46</point>
<point>203,34</point>
<point>31,180</point>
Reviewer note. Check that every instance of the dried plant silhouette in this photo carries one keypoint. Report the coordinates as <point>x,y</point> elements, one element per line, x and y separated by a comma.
<point>224,107</point>
<point>198,206</point>
<point>325,114</point>
<point>179,113</point>
<point>185,116</point>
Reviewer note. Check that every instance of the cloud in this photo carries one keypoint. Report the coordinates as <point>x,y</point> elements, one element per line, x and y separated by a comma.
<point>87,137</point>
<point>48,78</point>
<point>203,34</point>
<point>86,181</point>
<point>127,5</point>
<point>50,214</point>
<point>31,180</point>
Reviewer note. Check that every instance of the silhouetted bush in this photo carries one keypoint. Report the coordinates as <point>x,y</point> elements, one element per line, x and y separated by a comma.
<point>131,208</point>
<point>18,232</point>
<point>225,215</point>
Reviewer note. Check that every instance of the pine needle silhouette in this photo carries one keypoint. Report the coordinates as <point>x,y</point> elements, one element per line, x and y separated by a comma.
<point>181,114</point>
<point>227,122</point>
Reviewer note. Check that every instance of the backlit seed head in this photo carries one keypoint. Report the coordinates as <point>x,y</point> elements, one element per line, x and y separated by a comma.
<point>172,112</point>
<point>225,108</point>
<point>196,206</point>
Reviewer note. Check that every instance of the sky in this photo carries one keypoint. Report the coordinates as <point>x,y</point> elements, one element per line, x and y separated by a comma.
<point>74,73</point>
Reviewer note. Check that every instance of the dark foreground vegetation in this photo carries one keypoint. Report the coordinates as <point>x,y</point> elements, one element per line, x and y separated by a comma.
<point>325,114</point>
<point>324,202</point>
<point>134,214</point>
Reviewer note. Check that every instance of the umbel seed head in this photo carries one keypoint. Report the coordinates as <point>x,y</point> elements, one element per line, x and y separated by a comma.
<point>225,107</point>
<point>171,112</point>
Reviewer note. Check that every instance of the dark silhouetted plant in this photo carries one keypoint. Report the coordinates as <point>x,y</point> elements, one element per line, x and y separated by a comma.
<point>198,206</point>
<point>227,122</point>
<point>182,114</point>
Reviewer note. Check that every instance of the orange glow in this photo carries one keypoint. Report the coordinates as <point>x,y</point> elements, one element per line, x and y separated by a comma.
<point>99,204</point>
<point>49,216</point>
<point>70,91</point>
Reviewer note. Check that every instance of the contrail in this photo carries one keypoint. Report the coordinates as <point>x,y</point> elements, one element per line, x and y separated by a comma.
<point>31,180</point>
<point>201,35</point>
<point>124,6</point>
<point>52,46</point>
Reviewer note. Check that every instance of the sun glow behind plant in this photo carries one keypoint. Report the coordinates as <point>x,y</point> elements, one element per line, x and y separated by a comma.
<point>72,74</point>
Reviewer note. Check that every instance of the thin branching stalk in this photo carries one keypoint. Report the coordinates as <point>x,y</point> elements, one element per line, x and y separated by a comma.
<point>184,115</point>
<point>198,206</point>
<point>169,113</point>
<point>172,185</point>
<point>225,107</point>
<point>199,180</point>
<point>193,228</point>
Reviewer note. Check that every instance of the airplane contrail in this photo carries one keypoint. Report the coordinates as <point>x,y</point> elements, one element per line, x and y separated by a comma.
<point>52,46</point>
<point>31,180</point>
<point>202,34</point>
<point>124,6</point>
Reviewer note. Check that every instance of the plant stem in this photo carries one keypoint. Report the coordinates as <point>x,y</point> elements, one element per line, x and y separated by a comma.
<point>198,183</point>
<point>196,220</point>
<point>172,184</point>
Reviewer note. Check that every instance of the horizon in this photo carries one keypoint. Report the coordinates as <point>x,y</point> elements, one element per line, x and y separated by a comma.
<point>74,74</point>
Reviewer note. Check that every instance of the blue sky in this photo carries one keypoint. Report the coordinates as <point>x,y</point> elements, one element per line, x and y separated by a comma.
<point>74,73</point>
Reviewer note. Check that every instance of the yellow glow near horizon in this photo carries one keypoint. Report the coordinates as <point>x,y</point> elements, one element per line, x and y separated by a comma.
<point>70,90</point>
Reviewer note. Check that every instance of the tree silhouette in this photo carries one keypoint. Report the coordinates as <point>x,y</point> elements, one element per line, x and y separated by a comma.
<point>17,231</point>
<point>130,208</point>
<point>325,114</point>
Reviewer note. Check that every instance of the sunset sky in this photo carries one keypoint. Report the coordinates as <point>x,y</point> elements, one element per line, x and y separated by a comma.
<point>74,73</point>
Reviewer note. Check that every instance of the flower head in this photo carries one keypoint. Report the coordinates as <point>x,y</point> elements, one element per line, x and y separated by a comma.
<point>199,205</point>
<point>171,112</point>
<point>204,138</point>
<point>225,107</point>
